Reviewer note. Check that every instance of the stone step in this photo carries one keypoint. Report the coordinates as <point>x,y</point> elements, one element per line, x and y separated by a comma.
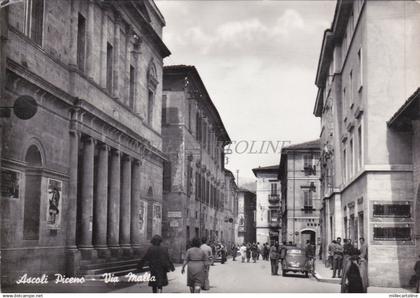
<point>102,263</point>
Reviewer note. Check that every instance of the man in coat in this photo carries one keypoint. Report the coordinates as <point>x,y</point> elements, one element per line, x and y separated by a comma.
<point>207,249</point>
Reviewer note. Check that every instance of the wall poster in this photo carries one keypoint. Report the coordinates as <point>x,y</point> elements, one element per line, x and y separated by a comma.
<point>157,219</point>
<point>10,184</point>
<point>54,195</point>
<point>142,217</point>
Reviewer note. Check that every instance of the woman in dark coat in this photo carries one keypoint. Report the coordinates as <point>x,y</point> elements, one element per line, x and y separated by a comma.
<point>160,264</point>
<point>352,281</point>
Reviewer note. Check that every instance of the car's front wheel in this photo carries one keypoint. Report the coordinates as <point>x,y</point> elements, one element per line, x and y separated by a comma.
<point>306,274</point>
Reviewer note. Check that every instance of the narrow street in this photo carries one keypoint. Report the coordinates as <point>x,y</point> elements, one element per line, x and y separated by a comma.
<point>237,277</point>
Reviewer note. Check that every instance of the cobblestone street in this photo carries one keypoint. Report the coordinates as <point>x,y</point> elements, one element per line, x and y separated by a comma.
<point>231,277</point>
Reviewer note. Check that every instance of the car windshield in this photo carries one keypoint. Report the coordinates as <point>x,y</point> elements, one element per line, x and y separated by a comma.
<point>295,252</point>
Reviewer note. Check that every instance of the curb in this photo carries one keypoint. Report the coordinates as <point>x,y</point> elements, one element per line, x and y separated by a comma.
<point>327,280</point>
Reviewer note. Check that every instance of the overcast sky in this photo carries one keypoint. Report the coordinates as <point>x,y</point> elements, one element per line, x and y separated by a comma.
<point>258,61</point>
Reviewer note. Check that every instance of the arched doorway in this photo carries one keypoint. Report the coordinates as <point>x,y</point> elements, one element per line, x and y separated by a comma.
<point>32,202</point>
<point>306,235</point>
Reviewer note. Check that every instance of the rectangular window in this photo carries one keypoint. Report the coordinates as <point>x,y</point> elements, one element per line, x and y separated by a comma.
<point>308,165</point>
<point>273,216</point>
<point>392,233</point>
<point>351,168</point>
<point>273,188</point>
<point>131,87</point>
<point>307,200</point>
<point>189,180</point>
<point>344,165</point>
<point>109,66</point>
<point>198,127</point>
<point>360,148</point>
<point>351,89</point>
<point>396,210</point>
<point>167,183</point>
<point>81,42</point>
<point>360,62</point>
<point>344,101</point>
<point>197,186</point>
<point>189,114</point>
<point>36,21</point>
<point>150,104</point>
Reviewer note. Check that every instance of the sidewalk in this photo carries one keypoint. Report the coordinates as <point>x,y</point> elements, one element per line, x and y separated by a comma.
<point>324,274</point>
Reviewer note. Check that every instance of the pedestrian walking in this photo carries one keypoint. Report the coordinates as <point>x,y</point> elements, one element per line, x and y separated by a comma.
<point>310,253</point>
<point>207,249</point>
<point>234,251</point>
<point>417,270</point>
<point>242,251</point>
<point>157,258</point>
<point>266,251</point>
<point>351,281</point>
<point>330,254</point>
<point>363,263</point>
<point>337,250</point>
<point>259,246</point>
<point>248,252</point>
<point>274,258</point>
<point>223,254</point>
<point>283,250</point>
<point>254,252</point>
<point>347,251</point>
<point>196,259</point>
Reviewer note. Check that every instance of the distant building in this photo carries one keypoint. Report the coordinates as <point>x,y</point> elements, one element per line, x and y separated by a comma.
<point>299,176</point>
<point>368,67</point>
<point>245,230</point>
<point>82,179</point>
<point>197,188</point>
<point>268,221</point>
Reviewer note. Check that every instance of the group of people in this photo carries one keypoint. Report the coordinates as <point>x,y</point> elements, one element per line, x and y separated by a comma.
<point>350,264</point>
<point>198,258</point>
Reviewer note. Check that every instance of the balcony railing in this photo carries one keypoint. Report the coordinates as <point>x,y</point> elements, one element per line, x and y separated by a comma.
<point>273,199</point>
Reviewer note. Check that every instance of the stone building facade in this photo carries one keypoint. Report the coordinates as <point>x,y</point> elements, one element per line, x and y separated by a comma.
<point>246,220</point>
<point>196,184</point>
<point>300,188</point>
<point>82,179</point>
<point>368,66</point>
<point>406,123</point>
<point>268,209</point>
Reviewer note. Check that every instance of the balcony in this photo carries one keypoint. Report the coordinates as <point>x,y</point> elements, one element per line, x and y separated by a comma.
<point>274,199</point>
<point>274,224</point>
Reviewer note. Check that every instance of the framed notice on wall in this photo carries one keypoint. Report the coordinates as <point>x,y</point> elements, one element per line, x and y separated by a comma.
<point>142,217</point>
<point>55,201</point>
<point>10,184</point>
<point>157,219</point>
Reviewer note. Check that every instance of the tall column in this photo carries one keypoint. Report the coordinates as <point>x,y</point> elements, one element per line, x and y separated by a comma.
<point>125,205</point>
<point>85,245</point>
<point>101,203</point>
<point>114,203</point>
<point>135,205</point>
<point>117,46</point>
<point>72,255</point>
<point>90,37</point>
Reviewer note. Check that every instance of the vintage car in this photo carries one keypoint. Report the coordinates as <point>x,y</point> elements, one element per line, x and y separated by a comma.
<point>296,261</point>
